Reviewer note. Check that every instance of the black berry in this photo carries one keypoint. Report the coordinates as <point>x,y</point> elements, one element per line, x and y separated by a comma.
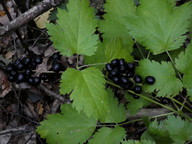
<point>10,67</point>
<point>137,78</point>
<point>26,61</point>
<point>44,76</point>
<point>150,80</point>
<point>137,89</point>
<point>56,67</point>
<point>20,78</point>
<point>108,67</point>
<point>56,56</point>
<point>116,80</point>
<point>28,72</point>
<point>30,80</point>
<point>20,66</point>
<point>114,72</point>
<point>124,80</point>
<point>136,96</point>
<point>11,78</point>
<point>38,59</point>
<point>129,74</point>
<point>36,81</point>
<point>17,62</point>
<point>13,73</point>
<point>122,69</point>
<point>122,62</point>
<point>115,62</point>
<point>131,66</point>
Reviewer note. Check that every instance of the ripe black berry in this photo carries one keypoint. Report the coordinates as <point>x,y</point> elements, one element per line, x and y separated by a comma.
<point>129,74</point>
<point>10,67</point>
<point>114,72</point>
<point>26,61</point>
<point>124,80</point>
<point>28,72</point>
<point>131,66</point>
<point>115,62</point>
<point>116,80</point>
<point>137,78</point>
<point>30,80</point>
<point>150,80</point>
<point>128,85</point>
<point>108,67</point>
<point>20,66</point>
<point>56,56</point>
<point>122,62</point>
<point>38,59</point>
<point>137,89</point>
<point>36,81</point>
<point>136,96</point>
<point>56,67</point>
<point>20,78</point>
<point>122,69</point>
<point>13,73</point>
<point>17,62</point>
<point>11,78</point>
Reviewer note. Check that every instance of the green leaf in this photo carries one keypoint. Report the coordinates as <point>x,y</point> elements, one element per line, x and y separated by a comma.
<point>138,142</point>
<point>166,83</point>
<point>183,64</point>
<point>179,130</point>
<point>157,132</point>
<point>159,25</point>
<point>116,111</point>
<point>87,91</point>
<point>74,31</point>
<point>68,127</point>
<point>135,105</point>
<point>113,24</point>
<point>116,49</point>
<point>108,136</point>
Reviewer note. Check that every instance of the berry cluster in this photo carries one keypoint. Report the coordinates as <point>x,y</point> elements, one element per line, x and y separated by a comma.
<point>123,74</point>
<point>21,70</point>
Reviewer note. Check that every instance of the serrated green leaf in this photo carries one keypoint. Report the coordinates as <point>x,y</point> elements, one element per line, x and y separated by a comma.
<point>115,49</point>
<point>113,24</point>
<point>88,91</point>
<point>74,31</point>
<point>108,136</point>
<point>183,64</point>
<point>68,127</point>
<point>166,83</point>
<point>116,111</point>
<point>135,105</point>
<point>159,25</point>
<point>179,130</point>
<point>157,132</point>
<point>138,142</point>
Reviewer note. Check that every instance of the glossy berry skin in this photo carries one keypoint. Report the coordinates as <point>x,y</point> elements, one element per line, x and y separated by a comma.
<point>114,72</point>
<point>28,72</point>
<point>108,67</point>
<point>116,80</point>
<point>122,69</point>
<point>129,74</point>
<point>56,56</point>
<point>30,80</point>
<point>10,67</point>
<point>115,62</point>
<point>13,73</point>
<point>131,66</point>
<point>11,78</point>
<point>137,78</point>
<point>56,67</point>
<point>150,80</point>
<point>36,81</point>
<point>20,66</point>
<point>137,89</point>
<point>26,61</point>
<point>122,62</point>
<point>38,59</point>
<point>17,62</point>
<point>20,78</point>
<point>124,80</point>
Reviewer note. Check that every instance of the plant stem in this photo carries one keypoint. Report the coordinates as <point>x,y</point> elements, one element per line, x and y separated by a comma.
<point>95,64</point>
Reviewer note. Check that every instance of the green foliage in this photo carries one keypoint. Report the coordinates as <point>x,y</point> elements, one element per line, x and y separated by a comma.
<point>173,130</point>
<point>113,26</point>
<point>183,64</point>
<point>159,25</point>
<point>166,82</point>
<point>74,30</point>
<point>116,112</point>
<point>69,127</point>
<point>87,91</point>
<point>135,105</point>
<point>108,136</point>
<point>138,142</point>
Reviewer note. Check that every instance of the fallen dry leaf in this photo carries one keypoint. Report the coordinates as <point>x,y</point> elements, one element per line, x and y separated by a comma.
<point>4,85</point>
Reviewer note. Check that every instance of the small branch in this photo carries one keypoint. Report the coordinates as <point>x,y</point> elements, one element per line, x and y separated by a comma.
<point>28,16</point>
<point>13,130</point>
<point>51,93</point>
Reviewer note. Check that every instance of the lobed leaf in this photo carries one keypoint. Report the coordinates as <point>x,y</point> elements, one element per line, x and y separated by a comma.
<point>68,127</point>
<point>166,83</point>
<point>159,25</point>
<point>87,91</point>
<point>108,136</point>
<point>74,31</point>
